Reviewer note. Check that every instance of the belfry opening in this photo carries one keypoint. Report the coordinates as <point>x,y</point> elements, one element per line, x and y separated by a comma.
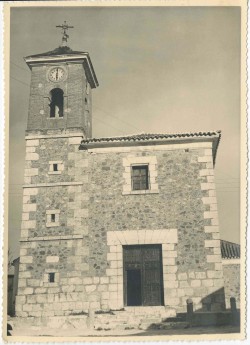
<point>56,105</point>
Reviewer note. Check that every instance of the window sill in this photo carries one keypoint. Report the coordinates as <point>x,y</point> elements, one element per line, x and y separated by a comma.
<point>54,173</point>
<point>55,118</point>
<point>141,192</point>
<point>50,225</point>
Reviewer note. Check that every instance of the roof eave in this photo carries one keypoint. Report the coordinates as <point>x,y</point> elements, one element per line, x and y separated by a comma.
<point>121,143</point>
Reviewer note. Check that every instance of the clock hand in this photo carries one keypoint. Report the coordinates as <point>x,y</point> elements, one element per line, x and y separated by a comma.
<point>56,73</point>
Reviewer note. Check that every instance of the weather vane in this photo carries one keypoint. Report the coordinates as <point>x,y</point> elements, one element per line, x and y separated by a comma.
<point>65,36</point>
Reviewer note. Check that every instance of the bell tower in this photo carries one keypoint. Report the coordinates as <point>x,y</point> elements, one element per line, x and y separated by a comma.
<point>60,93</point>
<point>54,228</point>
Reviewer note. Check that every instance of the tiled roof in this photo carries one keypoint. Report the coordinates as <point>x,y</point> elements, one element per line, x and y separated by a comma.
<point>229,250</point>
<point>58,51</point>
<point>147,136</point>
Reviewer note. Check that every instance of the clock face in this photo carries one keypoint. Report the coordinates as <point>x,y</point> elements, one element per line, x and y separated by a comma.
<point>56,74</point>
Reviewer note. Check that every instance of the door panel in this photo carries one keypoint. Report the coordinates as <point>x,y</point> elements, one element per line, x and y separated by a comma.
<point>143,261</point>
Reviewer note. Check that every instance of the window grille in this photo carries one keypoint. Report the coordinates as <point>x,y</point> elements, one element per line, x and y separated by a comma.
<point>140,177</point>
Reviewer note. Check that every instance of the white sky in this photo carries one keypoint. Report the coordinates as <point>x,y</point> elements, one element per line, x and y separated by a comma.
<point>161,70</point>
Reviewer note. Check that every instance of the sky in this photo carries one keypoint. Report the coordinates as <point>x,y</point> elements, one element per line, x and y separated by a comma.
<point>160,70</point>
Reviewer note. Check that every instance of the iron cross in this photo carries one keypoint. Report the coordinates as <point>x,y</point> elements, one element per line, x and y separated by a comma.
<point>64,27</point>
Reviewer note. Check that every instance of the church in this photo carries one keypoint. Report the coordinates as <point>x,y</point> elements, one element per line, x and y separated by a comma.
<point>112,223</point>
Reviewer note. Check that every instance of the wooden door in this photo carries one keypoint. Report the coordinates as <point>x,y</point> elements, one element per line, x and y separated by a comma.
<point>143,275</point>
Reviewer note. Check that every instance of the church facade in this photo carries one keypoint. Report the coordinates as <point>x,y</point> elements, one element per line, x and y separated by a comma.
<point>111,223</point>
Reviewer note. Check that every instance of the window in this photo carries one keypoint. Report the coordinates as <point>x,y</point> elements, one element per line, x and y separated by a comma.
<point>139,177</point>
<point>55,167</point>
<point>51,277</point>
<point>52,218</point>
<point>56,105</point>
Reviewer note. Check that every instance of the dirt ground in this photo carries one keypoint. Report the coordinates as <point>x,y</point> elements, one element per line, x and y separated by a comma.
<point>48,332</point>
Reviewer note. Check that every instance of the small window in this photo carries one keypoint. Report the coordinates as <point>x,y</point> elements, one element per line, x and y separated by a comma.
<point>55,167</point>
<point>51,277</point>
<point>53,218</point>
<point>140,177</point>
<point>86,101</point>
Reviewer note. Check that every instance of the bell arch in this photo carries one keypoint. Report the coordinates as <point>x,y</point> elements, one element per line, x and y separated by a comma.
<point>56,104</point>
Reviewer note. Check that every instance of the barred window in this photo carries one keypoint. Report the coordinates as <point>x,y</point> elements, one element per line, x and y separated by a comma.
<point>139,177</point>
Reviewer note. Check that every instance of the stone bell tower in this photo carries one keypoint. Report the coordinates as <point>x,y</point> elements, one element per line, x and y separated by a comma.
<point>55,201</point>
<point>60,93</point>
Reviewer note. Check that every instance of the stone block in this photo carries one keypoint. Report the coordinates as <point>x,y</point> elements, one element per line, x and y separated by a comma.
<point>213,258</point>
<point>205,159</point>
<point>184,283</point>
<point>52,259</point>
<point>189,292</point>
<point>90,288</point>
<point>26,291</point>
<point>87,281</point>
<point>104,280</point>
<point>75,281</point>
<point>207,282</point>
<point>29,208</point>
<point>212,244</point>
<point>218,266</point>
<point>30,156</point>
<point>170,269</point>
<point>41,298</point>
<point>210,214</point>
<point>191,275</point>
<point>20,299</point>
<point>219,282</point>
<point>214,274</point>
<point>28,224</point>
<point>31,172</point>
<point>171,284</point>
<point>195,283</point>
<point>211,229</point>
<point>169,277</point>
<point>75,140</point>
<point>169,254</point>
<point>172,301</point>
<point>200,275</point>
<point>23,252</point>
<point>32,142</point>
<point>27,307</point>
<point>209,200</point>
<point>112,287</point>
<point>33,282</point>
<point>111,271</point>
<point>182,276</point>
<point>25,216</point>
<point>26,259</point>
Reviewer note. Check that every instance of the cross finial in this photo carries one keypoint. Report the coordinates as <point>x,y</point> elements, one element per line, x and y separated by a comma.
<point>65,36</point>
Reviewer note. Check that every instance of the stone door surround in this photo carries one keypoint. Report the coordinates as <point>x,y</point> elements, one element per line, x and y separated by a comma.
<point>168,238</point>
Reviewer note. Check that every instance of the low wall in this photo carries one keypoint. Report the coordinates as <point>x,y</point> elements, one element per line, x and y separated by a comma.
<point>231,273</point>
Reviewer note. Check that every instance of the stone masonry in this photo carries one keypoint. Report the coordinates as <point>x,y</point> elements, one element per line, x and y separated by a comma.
<point>79,207</point>
<point>83,250</point>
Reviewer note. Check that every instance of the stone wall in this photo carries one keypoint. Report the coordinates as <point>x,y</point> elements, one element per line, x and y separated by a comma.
<point>77,101</point>
<point>87,195</point>
<point>231,273</point>
<point>185,201</point>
